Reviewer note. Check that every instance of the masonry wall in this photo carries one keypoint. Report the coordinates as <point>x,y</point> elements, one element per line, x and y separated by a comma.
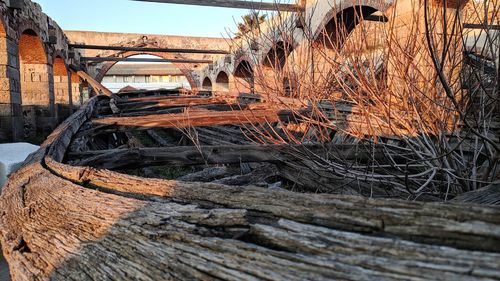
<point>27,87</point>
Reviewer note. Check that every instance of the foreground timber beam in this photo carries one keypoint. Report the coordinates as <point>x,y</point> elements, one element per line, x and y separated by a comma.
<point>251,5</point>
<point>148,49</point>
<point>104,59</point>
<point>98,87</point>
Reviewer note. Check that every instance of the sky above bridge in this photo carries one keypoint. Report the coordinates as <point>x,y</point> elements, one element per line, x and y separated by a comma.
<point>142,17</point>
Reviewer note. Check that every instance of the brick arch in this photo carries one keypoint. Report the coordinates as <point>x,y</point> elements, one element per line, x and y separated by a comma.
<point>277,54</point>
<point>243,68</point>
<point>34,71</point>
<point>207,84</point>
<point>3,29</point>
<point>59,65</point>
<point>37,95</point>
<point>222,81</point>
<point>182,67</point>
<point>61,54</point>
<point>27,24</point>
<point>366,8</point>
<point>240,59</point>
<point>31,48</point>
<point>244,77</point>
<point>62,90</point>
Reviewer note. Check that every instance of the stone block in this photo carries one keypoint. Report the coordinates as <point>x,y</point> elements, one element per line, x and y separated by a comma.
<point>13,61</point>
<point>4,97</point>
<point>44,77</point>
<point>4,84</point>
<point>4,58</point>
<point>15,85</point>
<point>5,110</point>
<point>12,48</point>
<point>3,43</point>
<point>13,73</point>
<point>35,77</point>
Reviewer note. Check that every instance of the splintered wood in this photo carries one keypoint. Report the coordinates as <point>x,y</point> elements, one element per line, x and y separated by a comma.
<point>193,196</point>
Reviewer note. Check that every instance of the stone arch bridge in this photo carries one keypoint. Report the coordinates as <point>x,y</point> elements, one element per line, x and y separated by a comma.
<point>153,41</point>
<point>37,88</point>
<point>39,85</point>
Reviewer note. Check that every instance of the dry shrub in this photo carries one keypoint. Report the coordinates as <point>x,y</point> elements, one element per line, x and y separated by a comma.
<point>420,94</point>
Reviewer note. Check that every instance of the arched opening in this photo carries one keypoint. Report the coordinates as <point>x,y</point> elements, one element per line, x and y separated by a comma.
<point>273,69</point>
<point>129,76</point>
<point>61,82</point>
<point>287,87</point>
<point>244,78</point>
<point>344,37</point>
<point>77,89</point>
<point>207,84</point>
<point>336,31</point>
<point>34,70</point>
<point>222,82</point>
<point>277,55</point>
<point>37,98</point>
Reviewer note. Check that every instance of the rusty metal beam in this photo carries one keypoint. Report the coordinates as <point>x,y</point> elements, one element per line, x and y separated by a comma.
<point>147,49</point>
<point>237,4</point>
<point>482,26</point>
<point>104,59</point>
<point>376,18</point>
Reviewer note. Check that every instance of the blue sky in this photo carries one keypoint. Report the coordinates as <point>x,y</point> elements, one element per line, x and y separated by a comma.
<point>141,17</point>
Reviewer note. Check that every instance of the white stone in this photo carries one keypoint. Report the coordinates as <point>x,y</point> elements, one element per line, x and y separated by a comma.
<point>12,155</point>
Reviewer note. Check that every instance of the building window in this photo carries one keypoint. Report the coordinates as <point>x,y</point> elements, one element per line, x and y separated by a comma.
<point>108,79</point>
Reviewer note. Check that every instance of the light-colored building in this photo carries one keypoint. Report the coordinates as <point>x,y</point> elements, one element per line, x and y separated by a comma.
<point>145,76</point>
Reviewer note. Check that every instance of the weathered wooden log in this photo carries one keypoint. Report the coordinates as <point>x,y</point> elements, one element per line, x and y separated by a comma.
<point>159,139</point>
<point>77,223</point>
<point>238,138</point>
<point>449,224</point>
<point>206,175</point>
<point>171,102</point>
<point>171,110</point>
<point>225,154</point>
<point>257,176</point>
<point>111,236</point>
<point>489,195</point>
<point>197,119</point>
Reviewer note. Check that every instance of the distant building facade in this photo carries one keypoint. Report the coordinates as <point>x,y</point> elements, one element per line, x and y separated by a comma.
<point>147,76</point>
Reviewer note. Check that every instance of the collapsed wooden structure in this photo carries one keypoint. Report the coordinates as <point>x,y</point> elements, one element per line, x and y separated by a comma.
<point>161,185</point>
